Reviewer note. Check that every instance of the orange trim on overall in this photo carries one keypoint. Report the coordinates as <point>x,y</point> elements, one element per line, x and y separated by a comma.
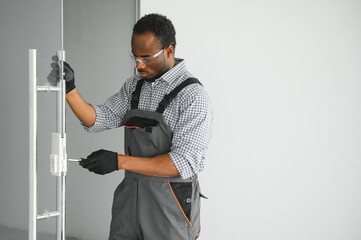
<point>180,207</point>
<point>131,126</point>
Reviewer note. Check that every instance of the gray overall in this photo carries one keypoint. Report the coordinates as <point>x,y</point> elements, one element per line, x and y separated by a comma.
<point>148,207</point>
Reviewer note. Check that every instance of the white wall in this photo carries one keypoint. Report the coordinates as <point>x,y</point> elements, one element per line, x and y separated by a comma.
<point>284,77</point>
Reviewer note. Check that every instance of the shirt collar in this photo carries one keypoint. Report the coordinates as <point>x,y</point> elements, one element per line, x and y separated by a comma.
<point>178,69</point>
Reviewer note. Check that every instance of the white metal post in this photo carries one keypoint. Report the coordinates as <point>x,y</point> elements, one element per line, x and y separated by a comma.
<point>63,157</point>
<point>32,145</point>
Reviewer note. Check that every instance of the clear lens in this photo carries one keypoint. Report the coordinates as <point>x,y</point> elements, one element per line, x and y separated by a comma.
<point>145,60</point>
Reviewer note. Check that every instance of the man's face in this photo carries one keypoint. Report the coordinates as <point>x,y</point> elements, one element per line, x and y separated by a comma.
<point>152,62</point>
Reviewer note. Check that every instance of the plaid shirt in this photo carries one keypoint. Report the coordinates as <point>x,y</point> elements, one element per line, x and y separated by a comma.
<point>189,115</point>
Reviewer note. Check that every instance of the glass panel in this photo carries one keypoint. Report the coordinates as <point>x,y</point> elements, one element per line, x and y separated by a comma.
<point>30,24</point>
<point>96,40</point>
<point>97,47</point>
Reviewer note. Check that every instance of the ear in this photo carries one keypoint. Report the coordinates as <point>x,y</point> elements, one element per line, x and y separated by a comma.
<point>169,51</point>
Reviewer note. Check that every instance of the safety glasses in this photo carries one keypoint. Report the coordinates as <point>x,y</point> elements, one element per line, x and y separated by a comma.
<point>145,60</point>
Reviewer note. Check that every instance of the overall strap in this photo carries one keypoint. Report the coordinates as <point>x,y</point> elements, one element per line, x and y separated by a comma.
<point>168,98</point>
<point>136,94</point>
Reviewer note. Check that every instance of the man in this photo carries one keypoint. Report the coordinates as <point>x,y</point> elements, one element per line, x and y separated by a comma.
<point>168,126</point>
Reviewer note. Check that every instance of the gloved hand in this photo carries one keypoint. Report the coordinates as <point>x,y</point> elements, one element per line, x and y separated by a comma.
<point>54,75</point>
<point>101,162</point>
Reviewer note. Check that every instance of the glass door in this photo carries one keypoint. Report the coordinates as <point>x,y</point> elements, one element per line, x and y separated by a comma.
<point>24,25</point>
<point>95,36</point>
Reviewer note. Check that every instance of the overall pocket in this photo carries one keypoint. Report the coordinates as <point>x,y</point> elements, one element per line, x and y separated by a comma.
<point>141,137</point>
<point>183,197</point>
<point>146,137</point>
<point>182,192</point>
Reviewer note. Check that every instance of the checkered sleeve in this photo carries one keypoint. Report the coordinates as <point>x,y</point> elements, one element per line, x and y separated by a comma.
<point>193,132</point>
<point>111,113</point>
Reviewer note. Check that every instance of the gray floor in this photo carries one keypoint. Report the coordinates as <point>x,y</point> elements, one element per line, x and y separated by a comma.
<point>15,234</point>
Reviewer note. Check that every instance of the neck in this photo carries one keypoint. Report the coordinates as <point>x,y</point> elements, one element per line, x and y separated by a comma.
<point>172,63</point>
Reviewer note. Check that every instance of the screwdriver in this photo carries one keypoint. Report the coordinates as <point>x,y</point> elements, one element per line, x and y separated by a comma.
<point>75,160</point>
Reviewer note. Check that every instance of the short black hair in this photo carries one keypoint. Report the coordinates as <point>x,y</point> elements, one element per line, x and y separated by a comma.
<point>160,25</point>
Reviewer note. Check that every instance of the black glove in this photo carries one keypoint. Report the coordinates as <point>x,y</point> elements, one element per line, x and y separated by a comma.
<point>54,75</point>
<point>101,162</point>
